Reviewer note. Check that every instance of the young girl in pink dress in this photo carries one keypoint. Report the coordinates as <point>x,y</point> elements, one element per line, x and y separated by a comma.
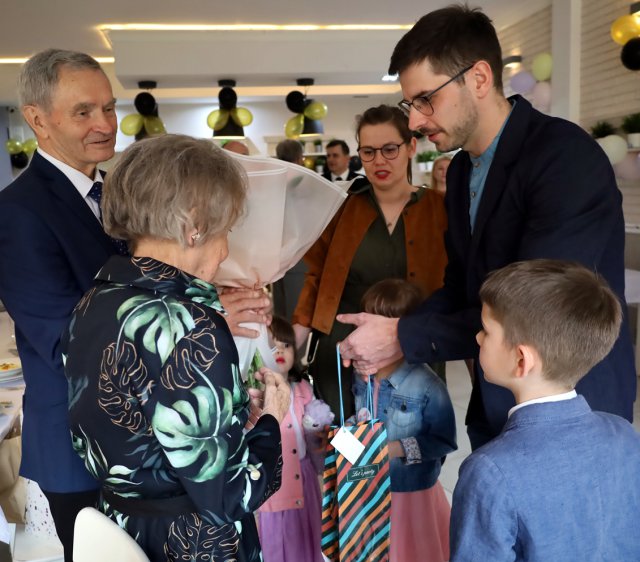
<point>289,522</point>
<point>417,412</point>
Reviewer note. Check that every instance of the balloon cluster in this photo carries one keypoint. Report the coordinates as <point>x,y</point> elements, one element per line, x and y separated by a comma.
<point>535,84</point>
<point>146,122</point>
<point>626,32</point>
<point>19,152</point>
<point>229,120</point>
<point>303,107</point>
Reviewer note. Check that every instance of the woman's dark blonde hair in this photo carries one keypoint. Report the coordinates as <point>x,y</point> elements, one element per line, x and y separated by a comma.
<point>162,187</point>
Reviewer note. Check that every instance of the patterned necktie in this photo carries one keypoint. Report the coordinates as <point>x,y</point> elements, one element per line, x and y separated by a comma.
<point>96,194</point>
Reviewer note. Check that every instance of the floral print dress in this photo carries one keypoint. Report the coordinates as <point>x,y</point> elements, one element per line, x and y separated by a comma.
<point>157,410</point>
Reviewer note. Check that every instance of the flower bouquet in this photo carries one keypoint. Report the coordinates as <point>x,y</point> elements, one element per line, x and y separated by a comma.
<point>288,207</point>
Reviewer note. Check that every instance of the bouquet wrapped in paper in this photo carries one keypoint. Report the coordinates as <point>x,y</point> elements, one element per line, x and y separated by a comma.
<point>288,207</point>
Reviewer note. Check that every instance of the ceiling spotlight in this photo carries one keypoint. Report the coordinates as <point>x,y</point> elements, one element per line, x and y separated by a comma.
<point>512,60</point>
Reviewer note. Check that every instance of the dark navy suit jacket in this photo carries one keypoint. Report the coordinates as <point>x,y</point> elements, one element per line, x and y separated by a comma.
<point>550,193</point>
<point>51,247</point>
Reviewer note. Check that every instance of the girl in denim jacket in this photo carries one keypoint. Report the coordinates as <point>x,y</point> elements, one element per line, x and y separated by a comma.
<point>416,409</point>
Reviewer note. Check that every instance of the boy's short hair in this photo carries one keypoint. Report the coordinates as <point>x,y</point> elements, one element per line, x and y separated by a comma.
<point>562,309</point>
<point>392,298</point>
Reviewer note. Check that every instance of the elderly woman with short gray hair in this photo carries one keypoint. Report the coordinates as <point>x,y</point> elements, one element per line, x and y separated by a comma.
<point>157,408</point>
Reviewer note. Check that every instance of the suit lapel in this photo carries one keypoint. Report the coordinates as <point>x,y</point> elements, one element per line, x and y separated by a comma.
<point>61,188</point>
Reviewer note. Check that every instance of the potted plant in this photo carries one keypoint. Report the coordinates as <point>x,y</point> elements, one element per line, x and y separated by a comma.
<point>425,160</point>
<point>602,129</point>
<point>631,126</point>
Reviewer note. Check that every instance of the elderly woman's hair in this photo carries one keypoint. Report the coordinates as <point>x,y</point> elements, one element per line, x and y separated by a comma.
<point>39,75</point>
<point>164,186</point>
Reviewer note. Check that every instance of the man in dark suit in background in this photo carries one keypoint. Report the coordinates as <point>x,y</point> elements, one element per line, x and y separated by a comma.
<point>51,246</point>
<point>338,162</point>
<point>524,186</point>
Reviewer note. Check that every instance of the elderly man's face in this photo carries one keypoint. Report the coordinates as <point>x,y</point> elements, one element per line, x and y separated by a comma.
<point>80,128</point>
<point>337,161</point>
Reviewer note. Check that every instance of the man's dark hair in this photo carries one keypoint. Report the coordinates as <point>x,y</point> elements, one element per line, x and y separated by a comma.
<point>340,143</point>
<point>451,39</point>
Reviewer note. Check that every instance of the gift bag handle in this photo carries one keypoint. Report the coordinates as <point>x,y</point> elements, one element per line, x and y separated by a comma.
<point>369,390</point>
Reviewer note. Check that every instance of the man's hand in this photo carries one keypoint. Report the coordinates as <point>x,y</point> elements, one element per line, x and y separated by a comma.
<point>373,345</point>
<point>245,305</point>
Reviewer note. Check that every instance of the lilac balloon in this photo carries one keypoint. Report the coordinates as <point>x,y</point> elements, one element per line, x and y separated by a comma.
<point>629,167</point>
<point>522,82</point>
<point>541,96</point>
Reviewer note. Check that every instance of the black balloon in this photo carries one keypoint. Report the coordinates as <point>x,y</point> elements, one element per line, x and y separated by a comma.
<point>19,160</point>
<point>228,98</point>
<point>295,101</point>
<point>630,54</point>
<point>146,104</point>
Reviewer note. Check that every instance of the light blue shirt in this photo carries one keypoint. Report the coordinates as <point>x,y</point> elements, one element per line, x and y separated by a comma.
<point>479,171</point>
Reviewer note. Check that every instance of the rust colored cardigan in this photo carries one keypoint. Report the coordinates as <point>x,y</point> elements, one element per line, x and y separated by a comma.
<point>329,259</point>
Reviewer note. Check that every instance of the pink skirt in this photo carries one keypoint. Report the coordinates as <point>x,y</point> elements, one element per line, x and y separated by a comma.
<point>293,535</point>
<point>420,525</point>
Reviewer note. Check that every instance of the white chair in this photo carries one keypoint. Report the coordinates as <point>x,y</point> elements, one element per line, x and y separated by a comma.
<point>98,539</point>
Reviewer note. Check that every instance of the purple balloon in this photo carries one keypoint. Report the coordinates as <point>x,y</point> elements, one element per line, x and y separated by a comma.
<point>541,96</point>
<point>522,82</point>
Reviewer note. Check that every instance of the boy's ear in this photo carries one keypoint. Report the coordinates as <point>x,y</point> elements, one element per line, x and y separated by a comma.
<point>527,360</point>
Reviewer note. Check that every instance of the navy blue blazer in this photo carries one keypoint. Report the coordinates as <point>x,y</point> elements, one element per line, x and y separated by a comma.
<point>51,247</point>
<point>560,483</point>
<point>550,193</point>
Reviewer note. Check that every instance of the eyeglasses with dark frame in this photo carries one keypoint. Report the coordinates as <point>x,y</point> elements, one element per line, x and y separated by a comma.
<point>389,151</point>
<point>423,103</point>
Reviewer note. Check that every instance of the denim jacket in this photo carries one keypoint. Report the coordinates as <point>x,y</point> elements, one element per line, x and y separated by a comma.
<point>415,407</point>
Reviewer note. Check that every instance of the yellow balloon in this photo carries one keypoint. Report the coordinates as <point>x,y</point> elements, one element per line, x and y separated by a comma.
<point>13,146</point>
<point>309,163</point>
<point>217,119</point>
<point>132,124</point>
<point>625,28</point>
<point>154,126</point>
<point>29,146</point>
<point>294,126</point>
<point>542,67</point>
<point>242,116</point>
<point>316,110</point>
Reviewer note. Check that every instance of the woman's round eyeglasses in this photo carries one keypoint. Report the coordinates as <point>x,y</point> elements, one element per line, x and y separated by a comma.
<point>389,151</point>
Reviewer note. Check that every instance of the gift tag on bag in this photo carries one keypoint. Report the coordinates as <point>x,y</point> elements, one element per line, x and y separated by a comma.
<point>347,445</point>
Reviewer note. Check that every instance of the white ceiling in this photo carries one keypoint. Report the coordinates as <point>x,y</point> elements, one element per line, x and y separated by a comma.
<point>187,65</point>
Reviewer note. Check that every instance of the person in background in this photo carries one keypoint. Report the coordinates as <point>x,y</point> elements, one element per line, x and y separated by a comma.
<point>439,174</point>
<point>237,147</point>
<point>290,521</point>
<point>290,150</point>
<point>525,185</point>
<point>421,430</point>
<point>540,491</point>
<point>157,408</point>
<point>386,228</point>
<point>338,162</point>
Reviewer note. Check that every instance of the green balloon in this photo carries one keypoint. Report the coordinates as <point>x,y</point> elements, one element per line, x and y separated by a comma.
<point>242,116</point>
<point>132,124</point>
<point>29,146</point>
<point>13,146</point>
<point>316,110</point>
<point>294,126</point>
<point>542,66</point>
<point>218,119</point>
<point>154,126</point>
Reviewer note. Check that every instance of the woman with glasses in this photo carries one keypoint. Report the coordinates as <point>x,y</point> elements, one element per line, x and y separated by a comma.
<point>385,229</point>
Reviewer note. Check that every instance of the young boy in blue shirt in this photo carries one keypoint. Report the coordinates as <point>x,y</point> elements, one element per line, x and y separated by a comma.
<point>561,482</point>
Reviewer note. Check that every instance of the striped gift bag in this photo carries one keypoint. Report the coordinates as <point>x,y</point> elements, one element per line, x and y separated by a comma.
<point>356,502</point>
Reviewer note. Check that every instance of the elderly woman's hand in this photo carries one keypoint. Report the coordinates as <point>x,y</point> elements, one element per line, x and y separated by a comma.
<point>277,394</point>
<point>245,305</point>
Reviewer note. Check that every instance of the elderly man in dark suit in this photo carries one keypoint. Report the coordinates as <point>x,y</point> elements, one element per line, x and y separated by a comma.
<point>524,186</point>
<point>51,246</point>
